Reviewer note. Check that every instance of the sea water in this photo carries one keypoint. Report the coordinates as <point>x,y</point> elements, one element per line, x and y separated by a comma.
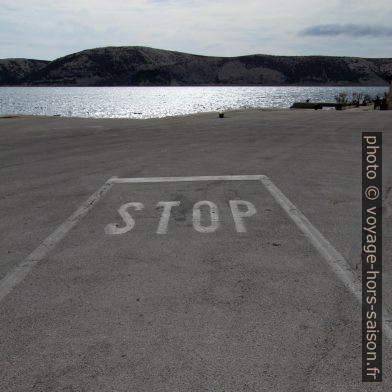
<point>156,102</point>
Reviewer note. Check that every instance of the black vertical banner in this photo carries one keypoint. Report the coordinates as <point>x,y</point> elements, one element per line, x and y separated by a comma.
<point>371,257</point>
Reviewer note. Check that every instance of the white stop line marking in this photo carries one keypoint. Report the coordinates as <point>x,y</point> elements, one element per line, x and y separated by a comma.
<point>163,226</point>
<point>335,259</point>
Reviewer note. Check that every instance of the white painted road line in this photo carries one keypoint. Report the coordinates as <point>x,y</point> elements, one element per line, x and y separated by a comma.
<point>16,276</point>
<point>334,259</point>
<point>117,180</point>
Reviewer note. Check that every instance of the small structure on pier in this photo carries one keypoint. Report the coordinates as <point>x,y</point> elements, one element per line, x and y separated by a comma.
<point>317,105</point>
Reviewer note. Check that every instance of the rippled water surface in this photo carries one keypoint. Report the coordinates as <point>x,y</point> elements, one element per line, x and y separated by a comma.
<point>150,102</point>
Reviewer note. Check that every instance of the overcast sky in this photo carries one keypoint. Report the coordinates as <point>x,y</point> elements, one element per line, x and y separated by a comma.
<point>47,29</point>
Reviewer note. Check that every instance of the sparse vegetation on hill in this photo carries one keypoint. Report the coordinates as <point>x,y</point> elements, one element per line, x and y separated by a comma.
<point>141,66</point>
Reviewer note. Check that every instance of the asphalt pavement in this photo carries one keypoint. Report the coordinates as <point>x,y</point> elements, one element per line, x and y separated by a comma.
<point>194,276</point>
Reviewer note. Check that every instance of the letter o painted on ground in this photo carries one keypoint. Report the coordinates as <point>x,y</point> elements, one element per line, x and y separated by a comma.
<point>214,217</point>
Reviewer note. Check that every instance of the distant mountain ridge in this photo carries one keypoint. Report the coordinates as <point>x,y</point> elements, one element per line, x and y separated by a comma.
<point>142,66</point>
<point>15,71</point>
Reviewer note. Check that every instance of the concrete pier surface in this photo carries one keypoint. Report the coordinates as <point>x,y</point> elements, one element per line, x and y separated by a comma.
<point>198,283</point>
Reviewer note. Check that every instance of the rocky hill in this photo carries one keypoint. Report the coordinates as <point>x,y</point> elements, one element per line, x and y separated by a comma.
<point>141,66</point>
<point>15,71</point>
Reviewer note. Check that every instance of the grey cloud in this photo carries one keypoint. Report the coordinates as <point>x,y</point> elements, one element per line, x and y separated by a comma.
<point>351,30</point>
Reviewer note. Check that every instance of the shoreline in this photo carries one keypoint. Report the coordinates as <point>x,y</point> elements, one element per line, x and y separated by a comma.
<point>208,85</point>
<point>368,108</point>
<point>38,116</point>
